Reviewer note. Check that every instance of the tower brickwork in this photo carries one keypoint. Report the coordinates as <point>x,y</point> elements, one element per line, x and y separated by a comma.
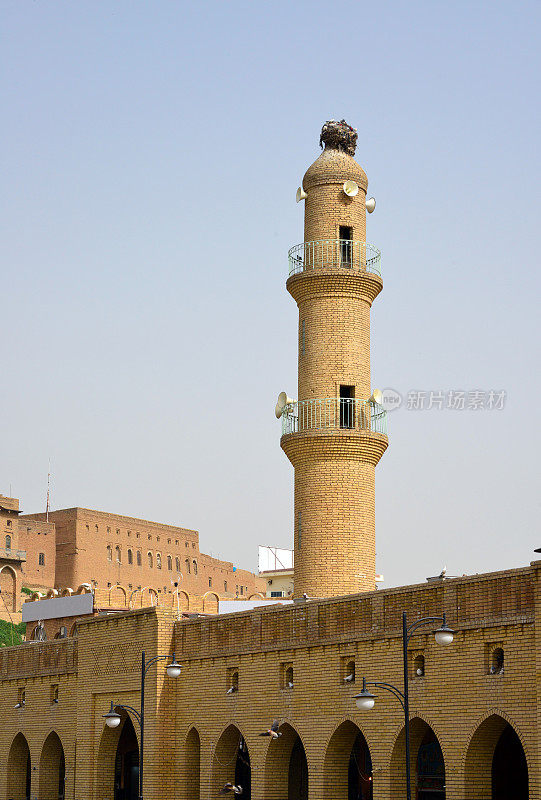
<point>334,435</point>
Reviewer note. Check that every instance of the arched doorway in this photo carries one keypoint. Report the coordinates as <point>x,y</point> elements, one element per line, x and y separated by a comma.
<point>192,767</point>
<point>430,769</point>
<point>8,587</point>
<point>427,766</point>
<point>52,769</point>
<point>231,762</point>
<point>117,765</point>
<point>127,764</point>
<point>286,769</point>
<point>496,766</point>
<point>509,768</point>
<point>297,788</point>
<point>348,765</point>
<point>19,769</point>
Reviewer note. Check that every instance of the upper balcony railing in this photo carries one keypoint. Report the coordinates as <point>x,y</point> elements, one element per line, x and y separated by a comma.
<point>333,412</point>
<point>335,254</point>
<point>13,555</point>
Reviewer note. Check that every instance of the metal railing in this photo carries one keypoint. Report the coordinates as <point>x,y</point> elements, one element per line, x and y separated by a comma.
<point>334,412</point>
<point>334,254</point>
<point>13,555</point>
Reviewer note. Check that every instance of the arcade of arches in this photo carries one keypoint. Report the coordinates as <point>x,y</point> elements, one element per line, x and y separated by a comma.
<point>495,765</point>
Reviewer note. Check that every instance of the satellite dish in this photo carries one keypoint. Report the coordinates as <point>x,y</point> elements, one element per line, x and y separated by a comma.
<point>370,204</point>
<point>301,194</point>
<point>350,188</point>
<point>376,397</point>
<point>281,403</point>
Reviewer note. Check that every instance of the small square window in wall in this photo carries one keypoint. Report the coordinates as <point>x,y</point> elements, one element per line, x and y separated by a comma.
<point>286,675</point>
<point>417,661</point>
<point>21,696</point>
<point>347,670</point>
<point>54,693</point>
<point>118,531</point>
<point>232,680</point>
<point>8,523</point>
<point>176,542</point>
<point>108,529</point>
<point>495,658</point>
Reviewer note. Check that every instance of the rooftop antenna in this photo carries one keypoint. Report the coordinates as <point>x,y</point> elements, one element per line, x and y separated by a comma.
<point>48,491</point>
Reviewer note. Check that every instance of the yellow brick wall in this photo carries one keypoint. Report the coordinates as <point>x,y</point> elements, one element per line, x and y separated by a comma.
<point>192,721</point>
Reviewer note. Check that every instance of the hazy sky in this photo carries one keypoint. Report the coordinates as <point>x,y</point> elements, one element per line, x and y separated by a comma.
<point>151,153</point>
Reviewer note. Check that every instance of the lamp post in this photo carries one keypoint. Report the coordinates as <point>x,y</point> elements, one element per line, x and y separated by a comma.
<point>112,718</point>
<point>365,700</point>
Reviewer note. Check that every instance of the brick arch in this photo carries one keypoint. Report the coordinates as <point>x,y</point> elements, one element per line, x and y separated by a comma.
<point>19,769</point>
<point>52,768</point>
<point>192,764</point>
<point>257,596</point>
<point>84,588</point>
<point>479,753</point>
<point>105,762</point>
<point>51,593</point>
<point>208,605</point>
<point>419,726</point>
<point>118,596</point>
<point>183,599</point>
<point>277,762</point>
<point>8,587</point>
<point>336,765</point>
<point>67,592</point>
<point>230,761</point>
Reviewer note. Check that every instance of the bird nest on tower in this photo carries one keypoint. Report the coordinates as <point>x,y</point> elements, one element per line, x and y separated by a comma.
<point>339,136</point>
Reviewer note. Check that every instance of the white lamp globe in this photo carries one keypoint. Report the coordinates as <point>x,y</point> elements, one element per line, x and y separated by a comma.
<point>365,701</point>
<point>444,635</point>
<point>112,718</point>
<point>173,669</point>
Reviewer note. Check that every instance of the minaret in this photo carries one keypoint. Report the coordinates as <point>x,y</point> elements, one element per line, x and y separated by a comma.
<point>334,434</point>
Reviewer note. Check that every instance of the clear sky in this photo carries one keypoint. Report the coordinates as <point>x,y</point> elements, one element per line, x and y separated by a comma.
<point>151,152</point>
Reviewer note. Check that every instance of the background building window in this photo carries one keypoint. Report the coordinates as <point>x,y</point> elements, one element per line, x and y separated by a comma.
<point>169,563</point>
<point>150,560</point>
<point>8,542</point>
<point>41,559</point>
<point>138,558</point>
<point>188,570</point>
<point>177,564</point>
<point>195,567</point>
<point>109,553</point>
<point>159,560</point>
<point>118,554</point>
<point>8,523</point>
<point>130,557</point>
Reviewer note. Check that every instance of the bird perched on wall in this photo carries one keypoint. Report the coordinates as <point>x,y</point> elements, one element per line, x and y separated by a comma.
<point>231,788</point>
<point>443,573</point>
<point>273,731</point>
<point>231,690</point>
<point>349,678</point>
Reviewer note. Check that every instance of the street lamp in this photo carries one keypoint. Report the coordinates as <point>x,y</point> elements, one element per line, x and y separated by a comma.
<point>112,718</point>
<point>365,700</point>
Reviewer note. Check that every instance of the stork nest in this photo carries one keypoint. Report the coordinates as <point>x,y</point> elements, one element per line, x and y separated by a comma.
<point>338,136</point>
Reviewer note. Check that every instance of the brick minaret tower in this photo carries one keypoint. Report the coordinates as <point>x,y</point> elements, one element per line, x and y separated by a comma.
<point>334,435</point>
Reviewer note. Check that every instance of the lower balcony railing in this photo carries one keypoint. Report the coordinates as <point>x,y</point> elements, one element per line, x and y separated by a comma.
<point>332,412</point>
<point>335,254</point>
<point>13,555</point>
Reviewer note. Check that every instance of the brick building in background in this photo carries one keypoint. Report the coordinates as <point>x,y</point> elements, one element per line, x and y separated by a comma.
<point>108,549</point>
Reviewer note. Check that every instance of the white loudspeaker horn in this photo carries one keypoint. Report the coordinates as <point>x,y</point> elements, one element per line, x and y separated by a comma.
<point>376,397</point>
<point>370,204</point>
<point>301,194</point>
<point>350,188</point>
<point>282,402</point>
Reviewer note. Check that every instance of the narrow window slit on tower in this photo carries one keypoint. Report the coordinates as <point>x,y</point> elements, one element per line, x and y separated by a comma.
<point>347,406</point>
<point>346,246</point>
